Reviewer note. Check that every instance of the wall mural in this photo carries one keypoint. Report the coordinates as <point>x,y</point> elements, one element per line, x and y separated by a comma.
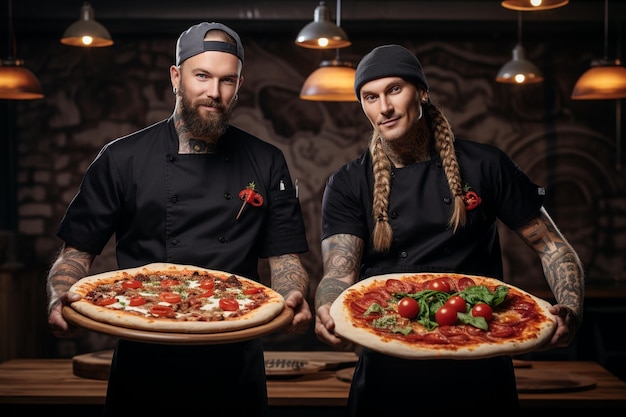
<point>94,96</point>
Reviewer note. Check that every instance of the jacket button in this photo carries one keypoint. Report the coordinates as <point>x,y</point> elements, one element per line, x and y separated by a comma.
<point>393,214</point>
<point>174,242</point>
<point>174,199</point>
<point>221,239</point>
<point>403,254</point>
<point>447,200</point>
<point>228,196</point>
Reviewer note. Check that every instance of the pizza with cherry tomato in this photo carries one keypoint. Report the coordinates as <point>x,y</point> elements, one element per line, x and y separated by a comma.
<point>442,316</point>
<point>176,298</point>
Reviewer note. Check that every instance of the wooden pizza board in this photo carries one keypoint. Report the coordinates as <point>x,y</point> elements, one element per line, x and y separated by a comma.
<point>97,365</point>
<point>172,338</point>
<point>540,381</point>
<point>279,363</point>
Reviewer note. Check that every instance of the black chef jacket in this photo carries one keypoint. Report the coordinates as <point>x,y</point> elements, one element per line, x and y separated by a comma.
<point>166,207</point>
<point>420,204</point>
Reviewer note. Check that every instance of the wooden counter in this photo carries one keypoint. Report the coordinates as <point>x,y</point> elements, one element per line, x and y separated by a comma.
<point>26,383</point>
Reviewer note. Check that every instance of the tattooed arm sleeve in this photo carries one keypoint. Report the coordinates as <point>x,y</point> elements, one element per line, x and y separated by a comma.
<point>70,266</point>
<point>341,255</point>
<point>561,266</point>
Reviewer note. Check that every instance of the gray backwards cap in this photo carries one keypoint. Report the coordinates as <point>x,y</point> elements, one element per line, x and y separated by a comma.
<point>389,61</point>
<point>191,42</point>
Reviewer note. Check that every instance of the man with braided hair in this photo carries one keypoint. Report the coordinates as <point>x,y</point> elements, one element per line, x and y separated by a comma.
<point>420,201</point>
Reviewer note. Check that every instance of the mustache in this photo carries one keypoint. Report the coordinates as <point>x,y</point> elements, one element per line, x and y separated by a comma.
<point>212,103</point>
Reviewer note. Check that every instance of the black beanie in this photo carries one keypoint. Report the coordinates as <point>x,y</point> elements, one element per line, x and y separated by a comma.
<point>389,61</point>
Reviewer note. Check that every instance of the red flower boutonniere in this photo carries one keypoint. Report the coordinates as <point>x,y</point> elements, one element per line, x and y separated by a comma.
<point>249,195</point>
<point>471,198</point>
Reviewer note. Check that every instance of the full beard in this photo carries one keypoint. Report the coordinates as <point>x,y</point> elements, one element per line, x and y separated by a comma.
<point>208,126</point>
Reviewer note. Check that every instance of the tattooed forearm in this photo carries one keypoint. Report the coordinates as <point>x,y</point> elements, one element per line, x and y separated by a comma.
<point>342,256</point>
<point>70,266</point>
<point>288,275</point>
<point>565,277</point>
<point>561,266</point>
<point>328,290</point>
<point>342,263</point>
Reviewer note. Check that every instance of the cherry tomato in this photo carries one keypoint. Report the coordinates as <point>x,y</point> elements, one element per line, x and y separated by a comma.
<point>167,282</point>
<point>438,285</point>
<point>229,304</point>
<point>170,297</point>
<point>252,290</point>
<point>457,303</point>
<point>207,293</point>
<point>137,300</point>
<point>446,316</point>
<point>207,284</point>
<point>131,284</point>
<point>162,311</point>
<point>106,301</point>
<point>408,307</point>
<point>482,310</point>
<point>464,283</point>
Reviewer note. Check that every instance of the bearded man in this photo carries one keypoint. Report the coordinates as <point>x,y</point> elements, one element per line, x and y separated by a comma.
<point>170,193</point>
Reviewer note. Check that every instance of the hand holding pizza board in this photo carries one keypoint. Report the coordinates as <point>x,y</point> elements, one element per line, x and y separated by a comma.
<point>442,316</point>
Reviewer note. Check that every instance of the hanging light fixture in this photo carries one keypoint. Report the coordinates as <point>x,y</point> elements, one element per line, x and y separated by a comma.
<point>86,32</point>
<point>334,79</point>
<point>16,81</point>
<point>532,5</point>
<point>321,33</point>
<point>606,79</point>
<point>519,70</point>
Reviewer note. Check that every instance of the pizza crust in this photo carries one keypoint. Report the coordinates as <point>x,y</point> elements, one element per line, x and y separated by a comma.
<point>270,309</point>
<point>345,328</point>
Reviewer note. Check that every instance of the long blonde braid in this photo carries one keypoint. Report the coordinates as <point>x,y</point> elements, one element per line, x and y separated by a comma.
<point>382,235</point>
<point>444,143</point>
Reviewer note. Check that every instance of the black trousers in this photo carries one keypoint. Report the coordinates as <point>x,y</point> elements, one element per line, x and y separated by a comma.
<point>193,380</point>
<point>385,384</point>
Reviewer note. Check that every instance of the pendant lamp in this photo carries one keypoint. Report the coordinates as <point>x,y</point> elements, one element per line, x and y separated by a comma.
<point>321,33</point>
<point>334,79</point>
<point>16,81</point>
<point>606,79</point>
<point>519,70</point>
<point>86,32</point>
<point>533,5</point>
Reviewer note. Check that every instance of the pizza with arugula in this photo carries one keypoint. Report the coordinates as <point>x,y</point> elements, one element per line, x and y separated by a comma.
<point>442,316</point>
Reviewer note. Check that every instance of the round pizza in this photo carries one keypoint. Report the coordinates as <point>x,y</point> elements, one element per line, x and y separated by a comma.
<point>176,298</point>
<point>442,316</point>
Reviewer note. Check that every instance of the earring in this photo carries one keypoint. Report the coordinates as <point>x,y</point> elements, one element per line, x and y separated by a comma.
<point>236,97</point>
<point>174,90</point>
